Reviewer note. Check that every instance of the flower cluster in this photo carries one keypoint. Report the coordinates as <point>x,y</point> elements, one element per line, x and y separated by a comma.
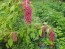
<point>27,11</point>
<point>51,35</point>
<point>14,37</point>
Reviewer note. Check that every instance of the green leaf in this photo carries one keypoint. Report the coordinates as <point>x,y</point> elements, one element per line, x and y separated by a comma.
<point>40,32</point>
<point>10,42</point>
<point>12,8</point>
<point>33,35</point>
<point>7,45</point>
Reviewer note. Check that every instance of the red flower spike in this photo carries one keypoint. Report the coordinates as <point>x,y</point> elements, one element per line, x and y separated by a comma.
<point>27,16</point>
<point>27,11</point>
<point>51,35</point>
<point>14,37</point>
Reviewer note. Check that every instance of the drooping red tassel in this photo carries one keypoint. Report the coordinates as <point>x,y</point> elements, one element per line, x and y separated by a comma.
<point>27,16</point>
<point>14,37</point>
<point>51,35</point>
<point>51,38</point>
<point>27,11</point>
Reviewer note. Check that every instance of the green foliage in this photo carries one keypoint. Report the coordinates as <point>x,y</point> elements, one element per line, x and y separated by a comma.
<point>53,14</point>
<point>11,20</point>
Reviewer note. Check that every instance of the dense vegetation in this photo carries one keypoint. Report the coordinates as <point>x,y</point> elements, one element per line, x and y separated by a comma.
<point>49,12</point>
